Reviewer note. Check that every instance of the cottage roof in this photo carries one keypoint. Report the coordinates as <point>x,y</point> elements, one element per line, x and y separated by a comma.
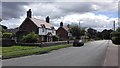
<point>66,28</point>
<point>40,23</point>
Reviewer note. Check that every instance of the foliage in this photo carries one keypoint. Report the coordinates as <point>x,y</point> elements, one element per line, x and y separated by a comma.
<point>115,33</point>
<point>116,40</point>
<point>91,33</point>
<point>76,31</point>
<point>106,34</point>
<point>30,38</point>
<point>118,30</point>
<point>55,38</point>
<point>116,36</point>
<point>7,35</point>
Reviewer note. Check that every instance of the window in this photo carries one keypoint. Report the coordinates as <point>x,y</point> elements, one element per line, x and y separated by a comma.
<point>43,27</point>
<point>52,29</point>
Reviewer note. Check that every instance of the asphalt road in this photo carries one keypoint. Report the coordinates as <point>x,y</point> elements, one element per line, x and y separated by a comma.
<point>91,54</point>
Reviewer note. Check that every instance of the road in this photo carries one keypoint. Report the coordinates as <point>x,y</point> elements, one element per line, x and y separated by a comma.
<point>91,54</point>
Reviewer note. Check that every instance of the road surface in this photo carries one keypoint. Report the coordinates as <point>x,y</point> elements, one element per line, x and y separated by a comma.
<point>91,54</point>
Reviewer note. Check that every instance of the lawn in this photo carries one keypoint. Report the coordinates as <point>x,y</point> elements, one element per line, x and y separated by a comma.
<point>18,51</point>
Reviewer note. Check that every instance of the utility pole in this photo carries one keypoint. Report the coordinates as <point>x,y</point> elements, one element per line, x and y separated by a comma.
<point>114,25</point>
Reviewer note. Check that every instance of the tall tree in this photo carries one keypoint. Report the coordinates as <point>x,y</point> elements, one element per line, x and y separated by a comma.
<point>106,34</point>
<point>91,33</point>
<point>76,31</point>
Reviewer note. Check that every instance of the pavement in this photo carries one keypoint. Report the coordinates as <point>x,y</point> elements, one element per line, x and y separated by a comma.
<point>111,58</point>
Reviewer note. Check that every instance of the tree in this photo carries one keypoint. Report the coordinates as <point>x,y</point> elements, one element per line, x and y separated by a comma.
<point>106,34</point>
<point>99,35</point>
<point>91,33</point>
<point>76,31</point>
<point>118,30</point>
<point>116,36</point>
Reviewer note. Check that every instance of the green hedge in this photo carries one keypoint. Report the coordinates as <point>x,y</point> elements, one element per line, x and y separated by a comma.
<point>116,40</point>
<point>115,37</point>
<point>7,35</point>
<point>30,38</point>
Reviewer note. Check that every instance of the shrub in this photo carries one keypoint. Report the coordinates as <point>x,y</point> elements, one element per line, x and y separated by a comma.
<point>30,38</point>
<point>115,34</point>
<point>116,40</point>
<point>7,35</point>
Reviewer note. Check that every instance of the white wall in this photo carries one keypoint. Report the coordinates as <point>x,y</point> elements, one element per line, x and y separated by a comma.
<point>46,31</point>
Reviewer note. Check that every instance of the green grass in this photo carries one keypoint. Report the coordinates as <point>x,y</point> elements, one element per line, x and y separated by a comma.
<point>18,51</point>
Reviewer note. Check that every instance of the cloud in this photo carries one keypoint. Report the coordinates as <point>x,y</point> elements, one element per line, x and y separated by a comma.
<point>13,9</point>
<point>88,20</point>
<point>68,12</point>
<point>54,9</point>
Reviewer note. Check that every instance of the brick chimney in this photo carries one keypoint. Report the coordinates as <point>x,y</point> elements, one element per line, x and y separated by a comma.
<point>47,19</point>
<point>61,24</point>
<point>29,13</point>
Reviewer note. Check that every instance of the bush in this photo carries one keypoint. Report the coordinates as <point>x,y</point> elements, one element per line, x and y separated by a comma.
<point>30,38</point>
<point>55,38</point>
<point>115,37</point>
<point>115,34</point>
<point>116,40</point>
<point>7,35</point>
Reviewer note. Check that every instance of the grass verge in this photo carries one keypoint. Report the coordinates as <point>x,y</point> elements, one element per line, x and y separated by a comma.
<point>18,51</point>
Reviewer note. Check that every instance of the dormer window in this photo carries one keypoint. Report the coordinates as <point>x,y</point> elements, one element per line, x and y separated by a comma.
<point>52,29</point>
<point>43,27</point>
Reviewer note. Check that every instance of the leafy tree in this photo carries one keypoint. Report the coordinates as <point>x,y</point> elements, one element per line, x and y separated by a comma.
<point>106,34</point>
<point>91,33</point>
<point>99,35</point>
<point>118,30</point>
<point>76,31</point>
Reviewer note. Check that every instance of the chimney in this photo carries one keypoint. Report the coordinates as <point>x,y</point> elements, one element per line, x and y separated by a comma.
<point>68,26</point>
<point>47,19</point>
<point>61,24</point>
<point>29,14</point>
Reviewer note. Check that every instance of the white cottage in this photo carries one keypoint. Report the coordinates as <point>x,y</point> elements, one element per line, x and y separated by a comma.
<point>44,29</point>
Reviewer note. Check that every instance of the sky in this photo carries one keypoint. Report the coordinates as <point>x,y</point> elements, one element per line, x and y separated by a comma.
<point>89,13</point>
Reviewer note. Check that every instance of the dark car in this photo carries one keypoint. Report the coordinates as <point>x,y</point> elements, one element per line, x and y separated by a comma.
<point>78,42</point>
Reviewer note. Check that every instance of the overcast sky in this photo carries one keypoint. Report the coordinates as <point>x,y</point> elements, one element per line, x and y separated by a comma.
<point>99,15</point>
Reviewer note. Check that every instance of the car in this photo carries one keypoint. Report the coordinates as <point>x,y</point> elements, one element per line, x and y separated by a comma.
<point>78,42</point>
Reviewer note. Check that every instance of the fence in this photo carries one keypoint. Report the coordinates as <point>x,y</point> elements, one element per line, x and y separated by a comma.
<point>45,44</point>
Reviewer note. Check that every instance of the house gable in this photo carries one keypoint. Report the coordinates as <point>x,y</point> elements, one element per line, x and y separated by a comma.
<point>61,32</point>
<point>28,26</point>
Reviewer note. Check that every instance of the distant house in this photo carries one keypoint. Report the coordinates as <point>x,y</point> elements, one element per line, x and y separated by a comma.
<point>63,32</point>
<point>44,29</point>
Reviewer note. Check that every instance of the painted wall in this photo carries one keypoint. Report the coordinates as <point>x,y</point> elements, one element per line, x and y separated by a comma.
<point>46,31</point>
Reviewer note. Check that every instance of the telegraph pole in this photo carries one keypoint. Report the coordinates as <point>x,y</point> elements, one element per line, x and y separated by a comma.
<point>114,25</point>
